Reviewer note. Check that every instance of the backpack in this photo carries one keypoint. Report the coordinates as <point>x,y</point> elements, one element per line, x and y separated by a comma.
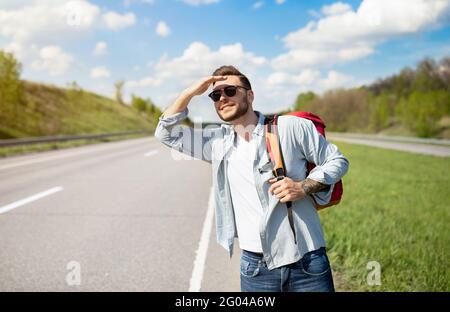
<point>276,155</point>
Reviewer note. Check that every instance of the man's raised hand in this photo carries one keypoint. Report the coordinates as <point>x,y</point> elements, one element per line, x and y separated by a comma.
<point>203,85</point>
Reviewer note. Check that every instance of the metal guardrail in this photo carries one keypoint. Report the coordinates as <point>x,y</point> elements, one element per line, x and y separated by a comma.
<point>64,138</point>
<point>389,138</point>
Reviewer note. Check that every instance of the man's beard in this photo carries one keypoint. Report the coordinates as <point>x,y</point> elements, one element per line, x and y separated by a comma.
<point>241,111</point>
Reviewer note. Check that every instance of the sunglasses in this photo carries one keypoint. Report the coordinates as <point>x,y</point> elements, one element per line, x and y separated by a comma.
<point>229,91</point>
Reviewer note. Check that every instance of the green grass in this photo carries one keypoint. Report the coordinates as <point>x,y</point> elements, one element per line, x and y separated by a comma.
<point>396,211</point>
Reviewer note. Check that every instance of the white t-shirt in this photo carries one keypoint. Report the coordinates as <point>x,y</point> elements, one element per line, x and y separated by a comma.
<point>247,206</point>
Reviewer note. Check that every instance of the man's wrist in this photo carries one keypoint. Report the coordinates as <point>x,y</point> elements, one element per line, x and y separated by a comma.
<point>187,94</point>
<point>310,186</point>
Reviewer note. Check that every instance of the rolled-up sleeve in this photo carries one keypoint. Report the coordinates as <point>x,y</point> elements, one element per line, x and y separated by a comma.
<point>331,165</point>
<point>193,142</point>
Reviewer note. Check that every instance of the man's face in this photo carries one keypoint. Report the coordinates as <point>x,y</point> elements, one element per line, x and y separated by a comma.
<point>231,108</point>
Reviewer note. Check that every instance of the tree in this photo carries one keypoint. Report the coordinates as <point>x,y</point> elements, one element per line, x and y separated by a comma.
<point>119,91</point>
<point>421,111</point>
<point>10,90</point>
<point>10,85</point>
<point>444,71</point>
<point>303,99</point>
<point>379,111</point>
<point>427,77</point>
<point>138,103</point>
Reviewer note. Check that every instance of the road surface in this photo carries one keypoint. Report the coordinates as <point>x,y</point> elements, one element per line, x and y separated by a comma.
<point>120,216</point>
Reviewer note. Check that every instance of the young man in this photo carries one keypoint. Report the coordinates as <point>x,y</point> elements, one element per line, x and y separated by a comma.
<point>250,203</point>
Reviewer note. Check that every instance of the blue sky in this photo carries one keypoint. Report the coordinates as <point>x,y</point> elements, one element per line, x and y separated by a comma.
<point>160,47</point>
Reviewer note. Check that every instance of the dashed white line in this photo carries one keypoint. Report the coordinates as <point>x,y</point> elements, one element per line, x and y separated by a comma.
<point>30,199</point>
<point>201,253</point>
<point>151,153</point>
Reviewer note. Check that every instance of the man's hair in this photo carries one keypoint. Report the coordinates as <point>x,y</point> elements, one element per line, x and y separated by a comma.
<point>228,70</point>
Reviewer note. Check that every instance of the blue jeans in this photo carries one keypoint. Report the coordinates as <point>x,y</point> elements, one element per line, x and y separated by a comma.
<point>311,273</point>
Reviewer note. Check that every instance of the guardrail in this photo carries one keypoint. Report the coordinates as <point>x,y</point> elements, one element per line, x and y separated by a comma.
<point>64,138</point>
<point>388,138</point>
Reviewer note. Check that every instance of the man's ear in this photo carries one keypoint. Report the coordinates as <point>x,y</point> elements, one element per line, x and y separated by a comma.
<point>250,96</point>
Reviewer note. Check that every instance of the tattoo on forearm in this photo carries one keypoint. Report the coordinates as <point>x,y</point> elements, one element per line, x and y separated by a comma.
<point>311,186</point>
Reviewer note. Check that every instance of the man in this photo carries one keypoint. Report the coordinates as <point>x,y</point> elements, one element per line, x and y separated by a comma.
<point>250,203</point>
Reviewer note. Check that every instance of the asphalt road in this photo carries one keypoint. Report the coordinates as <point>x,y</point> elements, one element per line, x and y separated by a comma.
<point>121,216</point>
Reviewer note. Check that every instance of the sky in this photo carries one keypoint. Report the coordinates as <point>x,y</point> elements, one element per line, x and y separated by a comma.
<point>160,47</point>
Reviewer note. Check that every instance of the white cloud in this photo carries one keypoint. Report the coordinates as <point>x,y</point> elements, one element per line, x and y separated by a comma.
<point>53,60</point>
<point>280,1</point>
<point>16,49</point>
<point>127,3</point>
<point>300,58</point>
<point>116,21</point>
<point>344,35</point>
<point>309,79</point>
<point>258,5</point>
<point>101,48</point>
<point>100,72</point>
<point>144,82</point>
<point>335,80</point>
<point>198,60</point>
<point>336,8</point>
<point>44,21</point>
<point>169,76</point>
<point>162,29</point>
<point>306,77</point>
<point>200,2</point>
<point>30,27</point>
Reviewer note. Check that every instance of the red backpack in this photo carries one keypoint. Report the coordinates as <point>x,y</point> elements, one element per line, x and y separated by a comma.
<point>276,155</point>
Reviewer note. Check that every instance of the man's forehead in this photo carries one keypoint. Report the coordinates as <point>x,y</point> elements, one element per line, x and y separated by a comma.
<point>230,81</point>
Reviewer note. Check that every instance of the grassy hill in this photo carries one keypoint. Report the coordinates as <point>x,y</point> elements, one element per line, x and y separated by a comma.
<point>43,110</point>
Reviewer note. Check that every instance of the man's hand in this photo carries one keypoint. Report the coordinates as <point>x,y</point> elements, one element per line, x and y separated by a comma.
<point>186,96</point>
<point>289,190</point>
<point>203,85</point>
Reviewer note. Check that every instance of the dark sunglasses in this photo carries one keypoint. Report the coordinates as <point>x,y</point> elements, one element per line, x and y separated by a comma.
<point>229,91</point>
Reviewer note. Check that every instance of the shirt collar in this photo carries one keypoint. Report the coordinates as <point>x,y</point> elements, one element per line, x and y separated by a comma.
<point>259,129</point>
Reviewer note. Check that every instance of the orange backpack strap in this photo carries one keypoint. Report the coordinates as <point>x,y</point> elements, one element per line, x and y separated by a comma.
<point>273,147</point>
<point>276,156</point>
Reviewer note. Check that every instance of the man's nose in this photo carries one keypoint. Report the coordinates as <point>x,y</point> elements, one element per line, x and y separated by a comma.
<point>223,96</point>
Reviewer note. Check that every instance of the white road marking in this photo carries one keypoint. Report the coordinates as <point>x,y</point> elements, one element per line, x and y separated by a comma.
<point>200,258</point>
<point>151,153</point>
<point>30,199</point>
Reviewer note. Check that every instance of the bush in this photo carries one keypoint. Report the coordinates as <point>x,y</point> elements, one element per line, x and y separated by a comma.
<point>421,111</point>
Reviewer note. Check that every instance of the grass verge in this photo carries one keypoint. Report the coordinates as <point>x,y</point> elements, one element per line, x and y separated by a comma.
<point>396,211</point>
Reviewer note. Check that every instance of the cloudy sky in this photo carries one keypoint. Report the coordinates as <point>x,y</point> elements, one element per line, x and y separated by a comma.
<point>159,47</point>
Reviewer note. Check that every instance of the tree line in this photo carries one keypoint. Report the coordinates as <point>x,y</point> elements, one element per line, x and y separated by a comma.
<point>412,102</point>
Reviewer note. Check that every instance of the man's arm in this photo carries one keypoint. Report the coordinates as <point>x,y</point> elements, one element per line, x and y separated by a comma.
<point>311,186</point>
<point>186,96</point>
<point>193,142</point>
<point>331,165</point>
<point>289,190</point>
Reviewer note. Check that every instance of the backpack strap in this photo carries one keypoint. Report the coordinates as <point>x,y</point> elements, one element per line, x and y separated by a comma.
<point>276,157</point>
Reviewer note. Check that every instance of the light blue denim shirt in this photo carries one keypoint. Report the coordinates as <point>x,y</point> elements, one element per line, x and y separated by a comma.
<point>300,143</point>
